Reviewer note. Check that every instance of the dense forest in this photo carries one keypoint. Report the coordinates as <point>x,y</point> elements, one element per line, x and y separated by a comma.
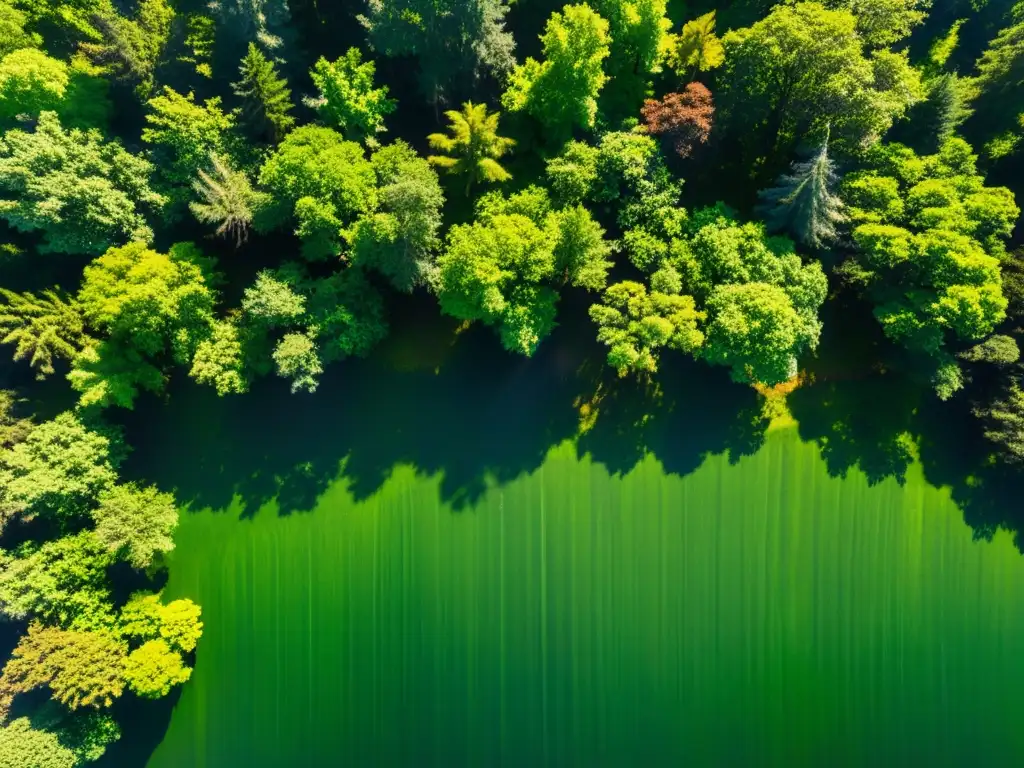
<point>255,188</point>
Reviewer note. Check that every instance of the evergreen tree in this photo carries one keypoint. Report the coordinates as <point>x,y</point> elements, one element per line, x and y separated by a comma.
<point>42,327</point>
<point>454,40</point>
<point>265,95</point>
<point>266,22</point>
<point>473,147</point>
<point>226,199</point>
<point>943,111</point>
<point>802,204</point>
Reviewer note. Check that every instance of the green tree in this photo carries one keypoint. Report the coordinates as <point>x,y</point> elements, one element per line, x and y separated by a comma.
<point>82,193</point>
<point>60,468</point>
<point>182,136</point>
<point>177,623</point>
<point>113,373</point>
<point>31,82</point>
<point>23,745</point>
<point>454,41</point>
<point>322,183</point>
<point>637,29</point>
<point>696,48</point>
<point>943,111</point>
<point>753,329</point>
<point>152,669</point>
<point>266,98</point>
<point>150,300</point>
<point>296,357</point>
<point>136,523</point>
<point>761,301</point>
<point>561,92</point>
<point>802,203</point>
<point>348,314</point>
<point>41,328</point>
<point>929,236</point>
<point>880,23</point>
<point>242,22</point>
<point>473,147</point>
<point>14,427</point>
<point>131,49</point>
<point>62,582</point>
<point>13,35</point>
<point>635,325</point>
<point>220,360</point>
<point>347,99</point>
<point>804,67</point>
<point>272,303</point>
<point>503,269</point>
<point>1003,423</point>
<point>82,669</point>
<point>86,102</point>
<point>226,199</point>
<point>400,239</point>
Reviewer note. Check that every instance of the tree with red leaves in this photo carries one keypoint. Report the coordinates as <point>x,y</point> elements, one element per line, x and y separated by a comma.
<point>683,118</point>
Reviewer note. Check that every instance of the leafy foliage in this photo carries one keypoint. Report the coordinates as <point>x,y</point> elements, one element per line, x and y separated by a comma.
<point>59,468</point>
<point>635,325</point>
<point>473,147</point>
<point>928,234</point>
<point>177,623</point>
<point>152,669</point>
<point>347,99</point>
<point>804,67</point>
<point>561,92</point>
<point>137,522</point>
<point>400,239</point>
<point>82,669</point>
<point>503,268</point>
<point>131,49</point>
<point>697,48</point>
<point>30,83</point>
<point>183,135</point>
<point>226,198</point>
<point>23,745</point>
<point>453,40</point>
<point>682,118</point>
<point>82,193</point>
<point>322,183</point>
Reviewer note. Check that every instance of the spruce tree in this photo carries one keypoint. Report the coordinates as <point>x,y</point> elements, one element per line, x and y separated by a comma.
<point>266,96</point>
<point>801,202</point>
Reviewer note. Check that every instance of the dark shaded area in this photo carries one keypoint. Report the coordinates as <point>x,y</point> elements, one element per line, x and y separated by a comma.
<point>147,721</point>
<point>443,402</point>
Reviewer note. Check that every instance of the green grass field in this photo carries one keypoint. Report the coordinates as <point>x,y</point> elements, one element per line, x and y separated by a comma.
<point>761,613</point>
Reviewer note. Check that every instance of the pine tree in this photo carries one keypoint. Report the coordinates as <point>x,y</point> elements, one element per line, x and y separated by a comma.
<point>43,327</point>
<point>801,202</point>
<point>944,110</point>
<point>228,200</point>
<point>266,95</point>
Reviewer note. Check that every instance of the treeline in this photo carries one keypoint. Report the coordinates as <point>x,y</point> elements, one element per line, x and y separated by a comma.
<point>832,151</point>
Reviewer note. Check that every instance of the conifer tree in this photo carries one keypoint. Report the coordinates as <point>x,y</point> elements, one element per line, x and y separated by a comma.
<point>944,110</point>
<point>43,327</point>
<point>802,204</point>
<point>266,96</point>
<point>227,200</point>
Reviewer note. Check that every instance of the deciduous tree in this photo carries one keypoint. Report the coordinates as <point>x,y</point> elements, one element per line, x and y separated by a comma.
<point>635,325</point>
<point>562,90</point>
<point>347,99</point>
<point>82,193</point>
<point>682,118</point>
<point>135,523</point>
<point>697,48</point>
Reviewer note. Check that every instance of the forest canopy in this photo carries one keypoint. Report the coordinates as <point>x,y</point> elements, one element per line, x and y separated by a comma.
<point>228,192</point>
